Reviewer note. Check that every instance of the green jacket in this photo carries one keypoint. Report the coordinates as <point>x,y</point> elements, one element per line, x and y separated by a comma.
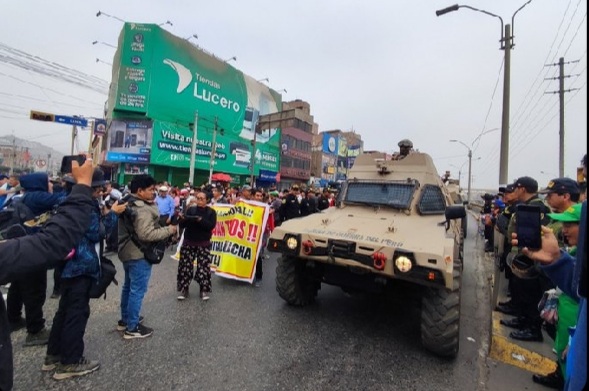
<point>146,226</point>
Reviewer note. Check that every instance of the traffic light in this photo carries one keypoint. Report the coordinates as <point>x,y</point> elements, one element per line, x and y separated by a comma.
<point>40,116</point>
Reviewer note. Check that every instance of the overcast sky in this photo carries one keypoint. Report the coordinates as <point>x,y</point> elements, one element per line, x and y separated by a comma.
<point>387,69</point>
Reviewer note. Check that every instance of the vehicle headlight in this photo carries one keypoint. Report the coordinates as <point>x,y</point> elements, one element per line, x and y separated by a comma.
<point>292,243</point>
<point>403,263</point>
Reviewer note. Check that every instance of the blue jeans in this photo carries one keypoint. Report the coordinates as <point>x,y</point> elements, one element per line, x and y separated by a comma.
<point>137,273</point>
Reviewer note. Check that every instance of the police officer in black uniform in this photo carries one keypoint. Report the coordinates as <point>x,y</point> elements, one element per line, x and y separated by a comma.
<point>291,207</point>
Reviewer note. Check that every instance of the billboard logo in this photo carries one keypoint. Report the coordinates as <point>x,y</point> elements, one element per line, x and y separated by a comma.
<point>184,80</point>
<point>184,74</point>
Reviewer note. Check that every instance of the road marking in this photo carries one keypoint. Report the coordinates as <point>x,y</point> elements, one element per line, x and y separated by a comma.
<point>512,354</point>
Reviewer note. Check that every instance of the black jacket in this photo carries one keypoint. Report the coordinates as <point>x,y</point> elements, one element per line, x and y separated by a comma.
<point>291,208</point>
<point>35,252</point>
<point>198,230</point>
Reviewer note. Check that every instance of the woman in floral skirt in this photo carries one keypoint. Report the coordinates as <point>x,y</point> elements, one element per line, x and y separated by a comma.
<point>198,223</point>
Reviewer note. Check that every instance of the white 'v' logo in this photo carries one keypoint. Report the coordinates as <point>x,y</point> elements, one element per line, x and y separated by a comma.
<point>184,74</point>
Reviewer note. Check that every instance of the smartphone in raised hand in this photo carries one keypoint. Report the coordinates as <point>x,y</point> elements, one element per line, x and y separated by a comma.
<point>528,226</point>
<point>66,162</point>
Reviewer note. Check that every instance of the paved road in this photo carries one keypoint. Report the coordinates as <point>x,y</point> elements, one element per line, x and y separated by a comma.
<point>247,338</point>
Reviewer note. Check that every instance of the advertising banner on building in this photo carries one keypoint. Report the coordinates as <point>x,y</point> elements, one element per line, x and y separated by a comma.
<point>330,144</point>
<point>135,169</point>
<point>129,141</point>
<point>171,81</point>
<point>237,239</point>
<point>172,144</point>
<point>342,147</point>
<point>328,166</point>
<point>99,127</point>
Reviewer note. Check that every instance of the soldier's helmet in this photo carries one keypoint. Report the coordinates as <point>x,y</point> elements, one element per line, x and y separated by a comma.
<point>405,143</point>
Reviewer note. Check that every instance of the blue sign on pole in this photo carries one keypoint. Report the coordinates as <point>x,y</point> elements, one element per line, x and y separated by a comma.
<point>62,119</point>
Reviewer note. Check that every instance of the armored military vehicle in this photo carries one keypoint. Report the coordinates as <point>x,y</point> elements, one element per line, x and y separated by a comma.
<point>394,221</point>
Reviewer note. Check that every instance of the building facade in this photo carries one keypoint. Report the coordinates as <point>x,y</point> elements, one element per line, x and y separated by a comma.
<point>173,105</point>
<point>334,152</point>
<point>297,128</point>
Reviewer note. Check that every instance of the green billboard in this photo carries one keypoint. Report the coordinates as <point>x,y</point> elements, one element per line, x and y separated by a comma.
<point>169,80</point>
<point>172,144</point>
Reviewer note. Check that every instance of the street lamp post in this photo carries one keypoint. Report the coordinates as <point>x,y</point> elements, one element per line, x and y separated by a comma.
<point>469,168</point>
<point>100,13</point>
<point>104,43</point>
<point>234,58</point>
<point>104,62</point>
<point>506,45</point>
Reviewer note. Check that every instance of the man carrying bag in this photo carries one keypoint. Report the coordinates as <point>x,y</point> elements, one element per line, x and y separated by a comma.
<point>139,235</point>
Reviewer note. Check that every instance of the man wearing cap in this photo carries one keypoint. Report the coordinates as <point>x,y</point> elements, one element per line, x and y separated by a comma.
<point>528,285</point>
<point>65,350</point>
<point>570,275</point>
<point>561,193</point>
<point>165,205</point>
<point>246,192</point>
<point>567,307</point>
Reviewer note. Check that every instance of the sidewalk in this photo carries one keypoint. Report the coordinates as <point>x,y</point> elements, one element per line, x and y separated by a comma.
<point>511,362</point>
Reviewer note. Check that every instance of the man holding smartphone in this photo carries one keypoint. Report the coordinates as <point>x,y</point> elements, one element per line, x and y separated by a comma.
<point>529,283</point>
<point>569,273</point>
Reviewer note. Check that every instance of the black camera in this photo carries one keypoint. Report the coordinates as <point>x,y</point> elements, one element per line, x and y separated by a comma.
<point>114,198</point>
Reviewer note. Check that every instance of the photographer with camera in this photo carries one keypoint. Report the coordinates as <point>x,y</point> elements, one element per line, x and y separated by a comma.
<point>139,230</point>
<point>39,250</point>
<point>65,350</point>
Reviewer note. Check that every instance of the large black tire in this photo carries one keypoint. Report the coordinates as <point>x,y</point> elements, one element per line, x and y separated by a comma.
<point>440,319</point>
<point>294,282</point>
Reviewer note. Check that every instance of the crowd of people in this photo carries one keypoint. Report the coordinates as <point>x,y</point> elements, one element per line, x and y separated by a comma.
<point>545,286</point>
<point>111,219</point>
<point>90,217</point>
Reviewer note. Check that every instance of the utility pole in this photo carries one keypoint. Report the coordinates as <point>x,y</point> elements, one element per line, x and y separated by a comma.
<point>560,93</point>
<point>74,135</point>
<point>13,157</point>
<point>253,156</point>
<point>504,154</point>
<point>213,152</point>
<point>469,175</point>
<point>507,45</point>
<point>193,148</point>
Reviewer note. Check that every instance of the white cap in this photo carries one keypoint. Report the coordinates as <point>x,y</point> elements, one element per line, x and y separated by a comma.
<point>163,188</point>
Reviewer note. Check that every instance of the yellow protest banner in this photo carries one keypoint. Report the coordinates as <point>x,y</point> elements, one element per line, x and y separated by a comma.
<point>236,240</point>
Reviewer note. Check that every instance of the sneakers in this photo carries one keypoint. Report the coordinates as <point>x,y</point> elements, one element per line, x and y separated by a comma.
<point>140,332</point>
<point>83,367</point>
<point>122,326</point>
<point>40,338</point>
<point>50,362</point>
<point>183,295</point>
<point>204,295</point>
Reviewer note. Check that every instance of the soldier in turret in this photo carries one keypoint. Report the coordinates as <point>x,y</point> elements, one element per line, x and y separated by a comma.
<point>405,148</point>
